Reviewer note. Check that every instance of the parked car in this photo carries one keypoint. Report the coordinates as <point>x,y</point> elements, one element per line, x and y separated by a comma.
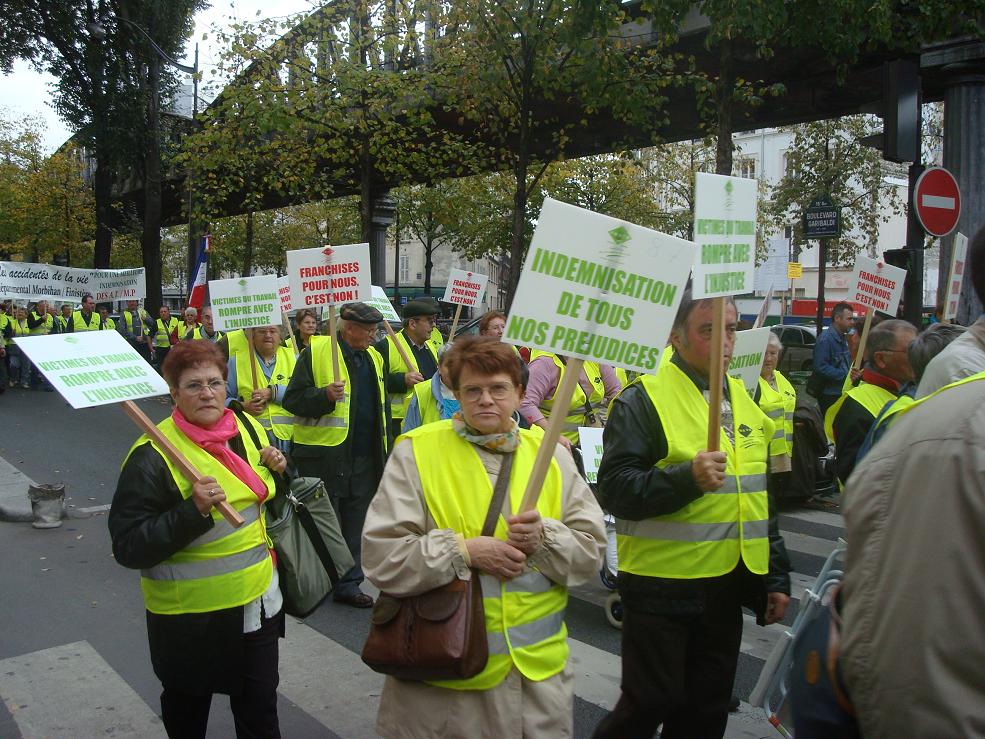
<point>798,347</point>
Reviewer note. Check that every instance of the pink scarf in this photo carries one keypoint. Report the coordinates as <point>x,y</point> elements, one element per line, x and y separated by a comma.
<point>214,440</point>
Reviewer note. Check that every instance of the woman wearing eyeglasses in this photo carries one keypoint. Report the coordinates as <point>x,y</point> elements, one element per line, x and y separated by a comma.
<point>422,531</point>
<point>211,592</point>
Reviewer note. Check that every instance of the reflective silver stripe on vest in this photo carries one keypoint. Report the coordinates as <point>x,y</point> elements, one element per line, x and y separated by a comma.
<point>788,416</point>
<point>207,568</point>
<point>527,634</point>
<point>775,413</point>
<point>282,420</point>
<point>750,484</point>
<point>790,438</point>
<point>778,434</point>
<point>265,422</point>
<point>690,532</point>
<point>529,582</point>
<point>320,422</point>
<point>222,528</point>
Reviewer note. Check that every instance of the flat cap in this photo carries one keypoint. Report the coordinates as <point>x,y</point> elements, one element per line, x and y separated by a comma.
<point>418,308</point>
<point>360,313</point>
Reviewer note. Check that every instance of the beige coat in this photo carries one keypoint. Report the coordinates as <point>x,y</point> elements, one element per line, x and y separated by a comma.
<point>913,642</point>
<point>404,554</point>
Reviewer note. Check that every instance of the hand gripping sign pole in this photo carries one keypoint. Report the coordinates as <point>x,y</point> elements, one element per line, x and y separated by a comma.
<point>186,468</point>
<point>716,370</point>
<point>252,353</point>
<point>331,315</point>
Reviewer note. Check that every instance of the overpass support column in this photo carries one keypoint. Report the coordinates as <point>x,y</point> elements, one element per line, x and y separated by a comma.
<point>384,209</point>
<point>964,156</point>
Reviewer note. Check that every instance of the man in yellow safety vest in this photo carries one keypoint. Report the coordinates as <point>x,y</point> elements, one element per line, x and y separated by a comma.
<point>697,536</point>
<point>86,318</point>
<point>415,339</point>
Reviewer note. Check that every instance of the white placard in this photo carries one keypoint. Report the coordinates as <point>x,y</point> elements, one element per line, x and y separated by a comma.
<point>747,356</point>
<point>92,367</point>
<point>764,309</point>
<point>382,303</point>
<point>955,276</point>
<point>877,285</point>
<point>330,275</point>
<point>773,271</point>
<point>33,281</point>
<point>245,302</point>
<point>284,292</point>
<point>465,288</point>
<point>598,288</point>
<point>590,440</point>
<point>724,234</point>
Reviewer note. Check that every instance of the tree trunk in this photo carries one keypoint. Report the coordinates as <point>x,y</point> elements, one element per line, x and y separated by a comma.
<point>248,247</point>
<point>102,190</point>
<point>428,264</point>
<point>366,195</point>
<point>516,236</point>
<point>150,240</point>
<point>724,96</point>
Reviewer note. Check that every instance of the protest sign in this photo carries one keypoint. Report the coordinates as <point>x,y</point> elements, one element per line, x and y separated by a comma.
<point>877,285</point>
<point>284,292</point>
<point>724,235</point>
<point>330,275</point>
<point>764,309</point>
<point>34,281</point>
<point>590,441</point>
<point>92,367</point>
<point>245,302</point>
<point>464,289</point>
<point>955,277</point>
<point>596,288</point>
<point>747,356</point>
<point>382,303</point>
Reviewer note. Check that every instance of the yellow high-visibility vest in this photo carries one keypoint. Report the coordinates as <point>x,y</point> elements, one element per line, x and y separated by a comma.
<point>333,428</point>
<point>79,321</point>
<point>197,335</point>
<point>44,328</point>
<point>427,406</point>
<point>275,417</point>
<point>779,405</point>
<point>399,401</point>
<point>163,337</point>
<point>709,536</point>
<point>224,567</point>
<point>575,416</point>
<point>524,616</point>
<point>871,397</point>
<point>128,321</point>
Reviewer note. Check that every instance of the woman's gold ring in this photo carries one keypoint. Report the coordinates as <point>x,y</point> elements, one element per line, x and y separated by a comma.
<point>212,493</point>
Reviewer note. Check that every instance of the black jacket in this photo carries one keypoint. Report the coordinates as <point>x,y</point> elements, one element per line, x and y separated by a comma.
<point>333,464</point>
<point>632,488</point>
<point>149,521</point>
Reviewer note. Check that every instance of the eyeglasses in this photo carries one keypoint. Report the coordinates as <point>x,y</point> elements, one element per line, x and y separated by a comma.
<point>497,391</point>
<point>196,388</point>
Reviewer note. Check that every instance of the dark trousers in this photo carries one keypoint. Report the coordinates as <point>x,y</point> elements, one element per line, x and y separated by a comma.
<point>350,508</point>
<point>678,670</point>
<point>186,716</point>
<point>160,354</point>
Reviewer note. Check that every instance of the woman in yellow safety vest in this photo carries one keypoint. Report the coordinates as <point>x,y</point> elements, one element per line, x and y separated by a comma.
<point>778,400</point>
<point>211,591</point>
<point>423,531</point>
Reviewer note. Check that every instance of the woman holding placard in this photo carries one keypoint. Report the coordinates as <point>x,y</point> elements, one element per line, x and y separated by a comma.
<point>424,529</point>
<point>211,591</point>
<point>777,399</point>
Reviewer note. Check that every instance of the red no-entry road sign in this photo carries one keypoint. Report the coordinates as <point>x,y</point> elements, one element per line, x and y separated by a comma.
<point>937,200</point>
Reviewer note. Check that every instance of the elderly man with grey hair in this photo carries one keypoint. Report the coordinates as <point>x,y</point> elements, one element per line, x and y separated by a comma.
<point>886,375</point>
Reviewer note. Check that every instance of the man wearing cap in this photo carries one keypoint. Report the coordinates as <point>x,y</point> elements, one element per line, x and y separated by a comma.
<point>415,339</point>
<point>85,319</point>
<point>341,427</point>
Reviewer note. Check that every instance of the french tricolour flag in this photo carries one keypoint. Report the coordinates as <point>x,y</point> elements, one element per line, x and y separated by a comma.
<point>196,286</point>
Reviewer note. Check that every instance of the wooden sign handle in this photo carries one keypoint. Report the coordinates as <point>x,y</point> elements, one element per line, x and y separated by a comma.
<point>335,343</point>
<point>252,355</point>
<point>715,374</point>
<point>562,401</point>
<point>454,322</point>
<point>177,458</point>
<point>290,332</point>
<point>408,360</point>
<point>860,352</point>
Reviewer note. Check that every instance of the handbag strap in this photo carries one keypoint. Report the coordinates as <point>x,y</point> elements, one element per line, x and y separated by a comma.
<point>499,494</point>
<point>304,516</point>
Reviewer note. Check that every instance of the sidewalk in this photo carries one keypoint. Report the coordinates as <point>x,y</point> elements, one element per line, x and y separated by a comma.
<point>15,506</point>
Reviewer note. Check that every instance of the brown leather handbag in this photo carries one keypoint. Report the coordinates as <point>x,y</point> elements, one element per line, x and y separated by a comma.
<point>440,634</point>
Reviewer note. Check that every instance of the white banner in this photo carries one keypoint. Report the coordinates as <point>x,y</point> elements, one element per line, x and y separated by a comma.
<point>33,281</point>
<point>330,275</point>
<point>382,303</point>
<point>598,288</point>
<point>465,288</point>
<point>747,356</point>
<point>590,440</point>
<point>877,285</point>
<point>92,367</point>
<point>774,270</point>
<point>724,234</point>
<point>955,276</point>
<point>245,302</point>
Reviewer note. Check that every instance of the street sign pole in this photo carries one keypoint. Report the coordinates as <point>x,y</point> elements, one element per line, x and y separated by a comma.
<point>822,261</point>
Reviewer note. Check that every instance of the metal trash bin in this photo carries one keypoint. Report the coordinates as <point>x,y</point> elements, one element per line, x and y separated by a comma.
<point>47,505</point>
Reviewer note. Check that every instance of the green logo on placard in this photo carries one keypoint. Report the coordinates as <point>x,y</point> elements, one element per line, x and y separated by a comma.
<point>729,187</point>
<point>620,235</point>
<point>71,340</point>
<point>242,283</point>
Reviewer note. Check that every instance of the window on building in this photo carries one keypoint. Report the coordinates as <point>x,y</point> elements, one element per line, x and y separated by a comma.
<point>790,168</point>
<point>404,268</point>
<point>745,167</point>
